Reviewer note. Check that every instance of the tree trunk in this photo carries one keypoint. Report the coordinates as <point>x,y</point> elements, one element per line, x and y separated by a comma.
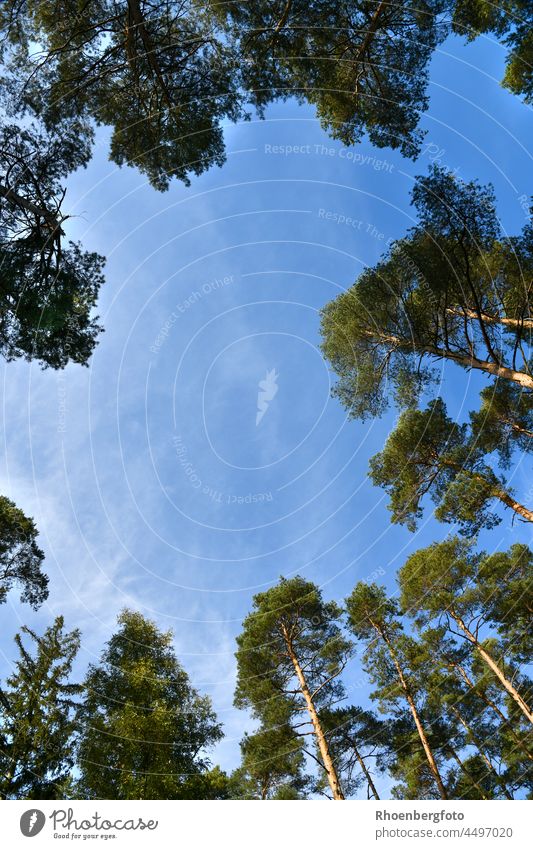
<point>150,51</point>
<point>491,663</point>
<point>317,727</point>
<point>372,27</point>
<point>517,428</point>
<point>39,211</point>
<point>366,772</point>
<point>520,377</point>
<point>419,727</point>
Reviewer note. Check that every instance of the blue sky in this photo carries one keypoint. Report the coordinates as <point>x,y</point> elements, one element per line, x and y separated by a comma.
<point>150,482</point>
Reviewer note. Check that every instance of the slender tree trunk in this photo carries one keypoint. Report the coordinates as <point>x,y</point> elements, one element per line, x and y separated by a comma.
<point>366,771</point>
<point>419,727</point>
<point>481,751</point>
<point>372,27</point>
<point>462,767</point>
<point>491,663</point>
<point>284,17</point>
<point>323,747</point>
<point>520,377</point>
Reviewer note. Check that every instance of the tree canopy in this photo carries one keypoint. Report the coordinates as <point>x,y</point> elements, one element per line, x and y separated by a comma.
<point>49,288</point>
<point>37,720</point>
<point>290,655</point>
<point>272,765</point>
<point>429,453</point>
<point>20,556</point>
<point>374,619</point>
<point>153,70</point>
<point>454,289</point>
<point>144,729</point>
<point>450,580</point>
<point>512,22</point>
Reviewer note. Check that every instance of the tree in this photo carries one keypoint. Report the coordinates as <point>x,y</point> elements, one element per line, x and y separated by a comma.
<point>144,728</point>
<point>48,289</point>
<point>512,22</point>
<point>484,688</point>
<point>374,620</point>
<point>20,556</point>
<point>272,765</point>
<point>153,70</point>
<point>450,580</point>
<point>290,655</point>
<point>429,453</point>
<point>37,725</point>
<point>455,289</point>
<point>364,65</point>
<point>464,723</point>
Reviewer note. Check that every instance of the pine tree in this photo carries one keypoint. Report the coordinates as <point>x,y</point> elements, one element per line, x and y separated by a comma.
<point>49,287</point>
<point>465,725</point>
<point>512,22</point>
<point>428,453</point>
<point>451,580</point>
<point>144,728</point>
<point>20,556</point>
<point>290,655</point>
<point>504,421</point>
<point>37,725</point>
<point>153,70</point>
<point>363,65</point>
<point>452,290</point>
<point>374,620</point>
<point>272,765</point>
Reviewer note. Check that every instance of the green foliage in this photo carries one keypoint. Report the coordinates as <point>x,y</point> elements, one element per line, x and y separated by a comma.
<point>294,610</point>
<point>504,421</point>
<point>416,781</point>
<point>272,765</point>
<point>20,556</point>
<point>356,738</point>
<point>153,70</point>
<point>144,727</point>
<point>428,453</point>
<point>398,669</point>
<point>290,655</point>
<point>453,289</point>
<point>452,577</point>
<point>364,66</point>
<point>512,22</point>
<point>48,289</point>
<point>37,724</point>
